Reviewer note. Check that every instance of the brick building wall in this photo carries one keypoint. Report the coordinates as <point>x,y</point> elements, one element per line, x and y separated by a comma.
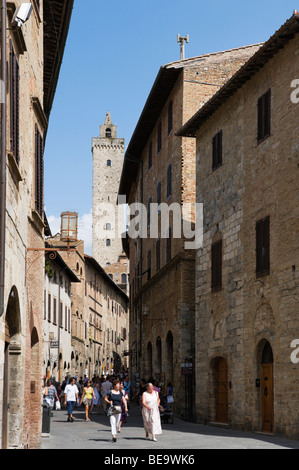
<point>162,305</point>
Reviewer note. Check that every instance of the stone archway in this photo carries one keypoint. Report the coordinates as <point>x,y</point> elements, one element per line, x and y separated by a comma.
<point>13,383</point>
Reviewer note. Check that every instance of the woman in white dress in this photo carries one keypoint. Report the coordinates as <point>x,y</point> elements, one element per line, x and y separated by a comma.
<point>151,413</point>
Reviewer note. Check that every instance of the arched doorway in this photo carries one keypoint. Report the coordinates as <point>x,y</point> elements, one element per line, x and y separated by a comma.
<point>12,384</point>
<point>221,390</point>
<point>267,387</point>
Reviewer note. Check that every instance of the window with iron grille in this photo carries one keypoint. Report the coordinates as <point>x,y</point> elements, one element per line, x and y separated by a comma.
<point>14,103</point>
<point>217,150</point>
<point>263,246</point>
<point>39,172</point>
<point>217,265</point>
<point>264,116</point>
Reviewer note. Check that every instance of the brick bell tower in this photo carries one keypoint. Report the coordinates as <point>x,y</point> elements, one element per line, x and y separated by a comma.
<point>108,153</point>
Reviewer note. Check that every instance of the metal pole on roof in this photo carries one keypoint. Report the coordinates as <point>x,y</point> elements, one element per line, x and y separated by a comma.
<point>182,41</point>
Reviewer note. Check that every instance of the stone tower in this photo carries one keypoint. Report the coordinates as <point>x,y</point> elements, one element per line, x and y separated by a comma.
<point>108,152</point>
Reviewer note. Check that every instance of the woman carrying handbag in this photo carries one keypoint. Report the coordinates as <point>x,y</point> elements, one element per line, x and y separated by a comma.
<point>114,398</point>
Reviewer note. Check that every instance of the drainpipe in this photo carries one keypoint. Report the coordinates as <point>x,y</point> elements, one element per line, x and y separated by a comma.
<point>3,157</point>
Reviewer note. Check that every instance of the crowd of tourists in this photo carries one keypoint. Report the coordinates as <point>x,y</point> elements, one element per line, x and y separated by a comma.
<point>110,394</point>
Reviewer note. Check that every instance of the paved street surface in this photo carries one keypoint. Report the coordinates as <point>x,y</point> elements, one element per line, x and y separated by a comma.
<point>96,434</point>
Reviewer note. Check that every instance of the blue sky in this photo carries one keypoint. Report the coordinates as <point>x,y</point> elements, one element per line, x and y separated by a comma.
<point>113,54</point>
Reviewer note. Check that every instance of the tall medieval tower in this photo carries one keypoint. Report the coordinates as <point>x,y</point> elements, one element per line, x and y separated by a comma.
<point>108,152</point>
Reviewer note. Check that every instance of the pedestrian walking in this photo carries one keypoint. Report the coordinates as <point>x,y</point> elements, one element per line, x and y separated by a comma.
<point>169,392</point>
<point>124,413</point>
<point>114,398</point>
<point>151,413</point>
<point>51,394</point>
<point>71,397</point>
<point>87,397</point>
<point>127,385</point>
<point>97,399</point>
<point>105,389</point>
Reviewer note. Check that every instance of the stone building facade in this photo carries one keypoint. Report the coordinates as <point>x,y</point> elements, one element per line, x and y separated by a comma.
<point>57,324</point>
<point>246,270</point>
<point>99,316</point>
<point>30,79</point>
<point>107,307</point>
<point>74,259</point>
<point>160,167</point>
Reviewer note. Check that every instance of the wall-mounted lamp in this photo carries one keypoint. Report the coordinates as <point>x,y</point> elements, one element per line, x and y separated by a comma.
<point>69,227</point>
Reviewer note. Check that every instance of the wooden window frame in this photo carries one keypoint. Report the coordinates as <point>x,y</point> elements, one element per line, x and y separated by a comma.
<point>217,150</point>
<point>264,117</point>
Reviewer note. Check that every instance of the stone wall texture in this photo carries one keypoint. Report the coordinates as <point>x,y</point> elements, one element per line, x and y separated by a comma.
<point>255,181</point>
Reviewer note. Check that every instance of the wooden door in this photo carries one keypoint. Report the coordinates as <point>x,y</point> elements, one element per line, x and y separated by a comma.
<point>221,391</point>
<point>267,397</point>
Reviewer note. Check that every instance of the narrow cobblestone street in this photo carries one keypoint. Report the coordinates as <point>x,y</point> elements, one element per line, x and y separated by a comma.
<point>96,434</point>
